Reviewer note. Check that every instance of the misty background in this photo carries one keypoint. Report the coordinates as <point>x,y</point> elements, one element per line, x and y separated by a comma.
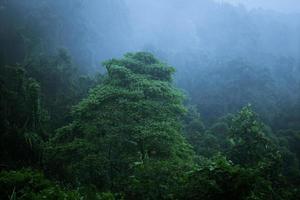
<point>226,53</point>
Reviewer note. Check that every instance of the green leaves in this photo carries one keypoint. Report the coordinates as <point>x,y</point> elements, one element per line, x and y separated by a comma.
<point>143,63</point>
<point>218,178</point>
<point>27,184</point>
<point>133,117</point>
<point>250,145</point>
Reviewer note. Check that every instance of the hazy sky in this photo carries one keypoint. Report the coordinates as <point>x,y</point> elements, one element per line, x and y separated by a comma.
<point>286,6</point>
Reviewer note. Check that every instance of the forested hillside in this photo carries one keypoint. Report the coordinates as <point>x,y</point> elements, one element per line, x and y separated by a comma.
<point>130,99</point>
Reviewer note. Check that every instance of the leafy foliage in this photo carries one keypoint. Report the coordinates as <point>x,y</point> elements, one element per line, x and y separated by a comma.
<point>250,146</point>
<point>129,134</point>
<point>219,179</point>
<point>119,124</point>
<point>21,117</point>
<point>26,184</point>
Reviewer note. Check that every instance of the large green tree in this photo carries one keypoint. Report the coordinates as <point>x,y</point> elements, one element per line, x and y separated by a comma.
<point>129,121</point>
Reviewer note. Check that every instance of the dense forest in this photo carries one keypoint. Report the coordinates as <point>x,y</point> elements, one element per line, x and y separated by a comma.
<point>143,99</point>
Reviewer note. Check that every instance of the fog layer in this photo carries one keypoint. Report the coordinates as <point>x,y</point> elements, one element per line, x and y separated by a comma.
<point>203,40</point>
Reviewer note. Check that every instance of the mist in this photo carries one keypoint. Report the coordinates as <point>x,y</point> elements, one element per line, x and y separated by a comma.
<point>99,30</point>
<point>145,99</point>
<point>288,6</point>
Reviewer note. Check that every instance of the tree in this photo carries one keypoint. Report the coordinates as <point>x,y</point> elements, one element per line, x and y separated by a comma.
<point>61,84</point>
<point>27,184</point>
<point>250,145</point>
<point>251,148</point>
<point>132,119</point>
<point>20,118</point>
<point>218,178</point>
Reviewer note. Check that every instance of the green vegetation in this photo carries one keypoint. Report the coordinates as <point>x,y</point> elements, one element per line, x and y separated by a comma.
<point>118,129</point>
<point>128,139</point>
<point>130,133</point>
<point>27,184</point>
